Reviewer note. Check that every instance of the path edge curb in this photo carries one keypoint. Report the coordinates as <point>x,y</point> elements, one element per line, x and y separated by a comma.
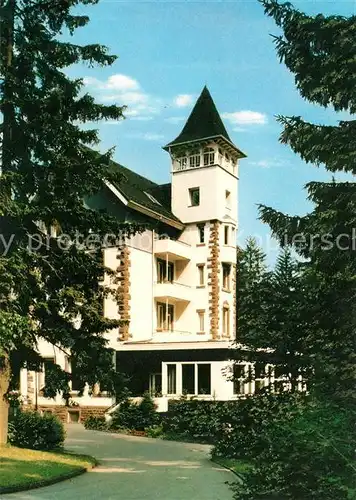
<point>237,474</point>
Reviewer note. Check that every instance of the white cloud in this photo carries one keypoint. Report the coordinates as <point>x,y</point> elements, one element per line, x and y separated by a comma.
<point>146,136</point>
<point>270,162</point>
<point>183,100</point>
<point>112,122</point>
<point>142,118</point>
<point>174,119</point>
<point>246,117</point>
<point>121,83</point>
<point>152,137</point>
<point>124,90</point>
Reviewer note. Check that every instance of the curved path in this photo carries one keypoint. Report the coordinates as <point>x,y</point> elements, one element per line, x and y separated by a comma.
<point>134,468</point>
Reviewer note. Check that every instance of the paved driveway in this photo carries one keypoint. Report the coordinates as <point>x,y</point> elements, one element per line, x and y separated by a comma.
<point>133,468</point>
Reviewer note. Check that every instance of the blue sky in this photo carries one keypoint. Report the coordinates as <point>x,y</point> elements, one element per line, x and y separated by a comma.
<point>167,52</point>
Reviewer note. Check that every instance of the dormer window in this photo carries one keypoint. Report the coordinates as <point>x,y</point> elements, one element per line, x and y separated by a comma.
<point>152,198</point>
<point>209,156</point>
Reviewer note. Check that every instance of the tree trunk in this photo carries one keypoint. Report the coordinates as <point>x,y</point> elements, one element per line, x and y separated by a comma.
<point>8,17</point>
<point>4,406</point>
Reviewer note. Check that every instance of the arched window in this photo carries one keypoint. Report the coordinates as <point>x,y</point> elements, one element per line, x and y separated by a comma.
<point>209,156</point>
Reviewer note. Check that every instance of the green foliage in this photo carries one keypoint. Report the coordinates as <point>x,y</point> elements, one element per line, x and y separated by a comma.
<point>156,431</point>
<point>96,424</point>
<point>235,428</point>
<point>271,307</point>
<point>245,424</point>
<point>135,416</point>
<point>29,429</point>
<point>320,51</point>
<point>192,420</point>
<point>308,456</point>
<point>48,170</point>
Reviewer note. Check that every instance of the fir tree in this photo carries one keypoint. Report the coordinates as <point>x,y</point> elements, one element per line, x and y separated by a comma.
<point>48,170</point>
<point>321,51</point>
<point>272,324</point>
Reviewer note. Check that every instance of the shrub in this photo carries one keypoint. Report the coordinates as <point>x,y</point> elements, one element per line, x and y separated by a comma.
<point>29,429</point>
<point>234,427</point>
<point>155,432</point>
<point>135,416</point>
<point>193,420</point>
<point>245,423</point>
<point>96,423</point>
<point>309,456</point>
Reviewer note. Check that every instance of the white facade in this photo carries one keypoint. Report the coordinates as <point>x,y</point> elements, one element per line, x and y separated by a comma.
<point>180,283</point>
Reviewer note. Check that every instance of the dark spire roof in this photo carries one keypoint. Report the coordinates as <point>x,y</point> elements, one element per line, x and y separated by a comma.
<point>203,122</point>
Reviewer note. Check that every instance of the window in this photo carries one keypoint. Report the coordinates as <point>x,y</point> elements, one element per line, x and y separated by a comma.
<point>188,379</point>
<point>194,195</point>
<point>165,316</point>
<point>182,163</point>
<point>226,235</point>
<point>152,198</point>
<point>201,317</point>
<point>201,231</point>
<point>227,199</point>
<point>204,379</point>
<point>226,276</point>
<point>201,274</point>
<point>171,379</point>
<point>239,379</point>
<point>47,366</point>
<point>194,160</point>
<point>77,383</point>
<point>260,375</point>
<point>226,320</point>
<point>279,378</point>
<point>155,384</point>
<point>209,156</point>
<point>165,271</point>
<point>233,235</point>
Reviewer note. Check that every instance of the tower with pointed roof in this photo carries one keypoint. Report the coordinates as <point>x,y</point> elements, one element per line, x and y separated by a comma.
<point>204,166</point>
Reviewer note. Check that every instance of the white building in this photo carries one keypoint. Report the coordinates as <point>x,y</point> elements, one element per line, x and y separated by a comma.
<point>176,283</point>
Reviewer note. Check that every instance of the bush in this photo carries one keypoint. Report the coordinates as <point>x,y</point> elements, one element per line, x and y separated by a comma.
<point>234,427</point>
<point>245,423</point>
<point>193,420</point>
<point>309,456</point>
<point>29,429</point>
<point>96,423</point>
<point>155,432</point>
<point>135,416</point>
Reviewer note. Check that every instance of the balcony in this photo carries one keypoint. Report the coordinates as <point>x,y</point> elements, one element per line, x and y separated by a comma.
<point>172,249</point>
<point>173,292</point>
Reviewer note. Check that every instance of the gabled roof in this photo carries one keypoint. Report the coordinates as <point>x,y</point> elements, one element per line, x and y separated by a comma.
<point>135,188</point>
<point>203,122</point>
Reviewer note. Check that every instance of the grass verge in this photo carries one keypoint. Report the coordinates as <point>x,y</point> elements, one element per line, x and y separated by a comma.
<point>22,469</point>
<point>238,467</point>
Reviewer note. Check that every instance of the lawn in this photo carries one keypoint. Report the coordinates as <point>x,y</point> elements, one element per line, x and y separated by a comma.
<point>22,468</point>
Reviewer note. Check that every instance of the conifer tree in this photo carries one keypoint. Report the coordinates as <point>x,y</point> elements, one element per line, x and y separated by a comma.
<point>50,288</point>
<point>321,51</point>
<point>272,325</point>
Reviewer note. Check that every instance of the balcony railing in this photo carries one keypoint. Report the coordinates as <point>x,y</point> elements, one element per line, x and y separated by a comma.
<point>173,290</point>
<point>174,249</point>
